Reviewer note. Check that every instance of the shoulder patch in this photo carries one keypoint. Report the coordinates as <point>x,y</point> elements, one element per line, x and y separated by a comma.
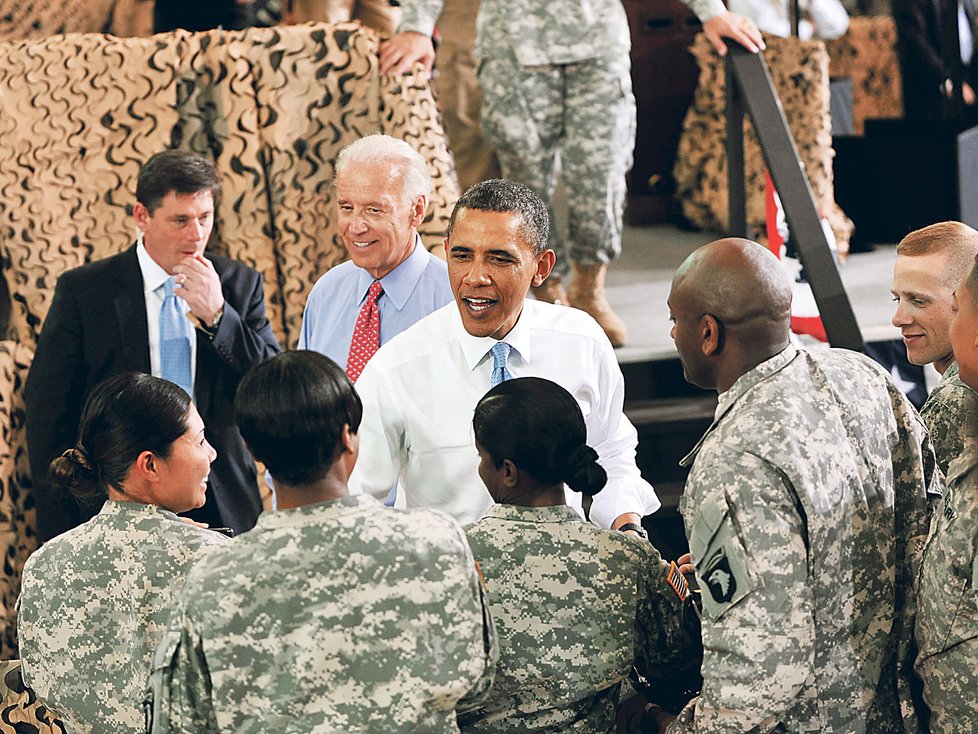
<point>719,578</point>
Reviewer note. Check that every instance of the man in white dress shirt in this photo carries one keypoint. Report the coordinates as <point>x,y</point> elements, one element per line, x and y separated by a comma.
<point>420,389</point>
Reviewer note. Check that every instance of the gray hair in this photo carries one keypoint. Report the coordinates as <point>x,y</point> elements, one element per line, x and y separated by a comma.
<point>502,195</point>
<point>385,149</point>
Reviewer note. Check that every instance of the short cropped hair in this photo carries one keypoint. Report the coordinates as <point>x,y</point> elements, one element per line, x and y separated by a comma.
<point>291,410</point>
<point>177,171</point>
<point>385,149</point>
<point>971,279</point>
<point>957,241</point>
<point>502,195</point>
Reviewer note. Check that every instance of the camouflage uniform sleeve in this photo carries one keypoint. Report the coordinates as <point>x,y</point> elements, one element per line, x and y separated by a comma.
<point>668,648</point>
<point>944,417</point>
<point>419,16</point>
<point>486,646</point>
<point>747,541</point>
<point>178,698</point>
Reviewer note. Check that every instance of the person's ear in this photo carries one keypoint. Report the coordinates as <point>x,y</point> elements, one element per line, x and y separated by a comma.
<point>418,208</point>
<point>711,335</point>
<point>147,466</point>
<point>141,215</point>
<point>510,474</point>
<point>545,263</point>
<point>350,442</point>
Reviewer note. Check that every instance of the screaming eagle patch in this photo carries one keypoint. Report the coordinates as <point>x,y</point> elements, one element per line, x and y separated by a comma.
<point>719,577</point>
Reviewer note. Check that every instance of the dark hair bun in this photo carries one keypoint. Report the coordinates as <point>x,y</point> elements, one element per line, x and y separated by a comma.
<point>74,471</point>
<point>584,473</point>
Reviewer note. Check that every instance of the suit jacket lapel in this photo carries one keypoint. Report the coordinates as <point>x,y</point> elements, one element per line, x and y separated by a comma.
<point>130,309</point>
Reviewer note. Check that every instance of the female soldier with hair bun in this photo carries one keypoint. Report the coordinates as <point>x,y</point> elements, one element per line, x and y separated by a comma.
<point>574,605</point>
<point>95,601</point>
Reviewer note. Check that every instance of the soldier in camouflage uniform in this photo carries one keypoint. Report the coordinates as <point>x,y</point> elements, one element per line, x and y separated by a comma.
<point>574,604</point>
<point>947,612</point>
<point>556,80</point>
<point>96,600</point>
<point>805,511</point>
<point>930,264</point>
<point>335,614</point>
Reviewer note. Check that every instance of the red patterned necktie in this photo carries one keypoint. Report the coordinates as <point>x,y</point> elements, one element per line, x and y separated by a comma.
<point>366,333</point>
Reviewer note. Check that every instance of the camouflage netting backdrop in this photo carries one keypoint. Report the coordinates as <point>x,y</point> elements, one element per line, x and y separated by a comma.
<point>867,55</point>
<point>272,106</point>
<point>800,72</point>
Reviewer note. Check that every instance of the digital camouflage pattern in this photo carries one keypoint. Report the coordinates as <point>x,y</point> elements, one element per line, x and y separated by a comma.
<point>574,607</point>
<point>556,76</point>
<point>950,406</point>
<point>94,606</point>
<point>947,607</point>
<point>805,510</point>
<point>587,110</point>
<point>544,32</point>
<point>342,616</point>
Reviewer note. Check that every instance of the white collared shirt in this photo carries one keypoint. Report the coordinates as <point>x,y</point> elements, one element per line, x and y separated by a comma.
<point>153,278</point>
<point>965,36</point>
<point>420,390</point>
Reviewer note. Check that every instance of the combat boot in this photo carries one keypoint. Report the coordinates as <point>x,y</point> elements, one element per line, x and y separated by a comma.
<point>586,292</point>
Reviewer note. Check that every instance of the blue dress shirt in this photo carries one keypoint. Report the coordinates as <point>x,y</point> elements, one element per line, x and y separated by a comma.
<point>412,290</point>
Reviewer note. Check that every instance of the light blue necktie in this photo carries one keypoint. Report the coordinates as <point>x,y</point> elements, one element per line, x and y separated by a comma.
<point>175,335</point>
<point>500,353</point>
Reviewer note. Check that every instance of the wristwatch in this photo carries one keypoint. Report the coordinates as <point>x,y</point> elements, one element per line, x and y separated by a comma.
<point>635,528</point>
<point>211,328</point>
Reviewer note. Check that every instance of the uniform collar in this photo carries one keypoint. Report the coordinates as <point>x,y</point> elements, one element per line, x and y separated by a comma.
<point>951,374</point>
<point>317,512</point>
<point>475,349</point>
<point>400,282</point>
<point>744,384</point>
<point>128,510</point>
<point>519,513</point>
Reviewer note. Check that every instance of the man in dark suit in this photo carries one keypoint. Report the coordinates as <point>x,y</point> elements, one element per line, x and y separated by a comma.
<point>106,318</point>
<point>937,60</point>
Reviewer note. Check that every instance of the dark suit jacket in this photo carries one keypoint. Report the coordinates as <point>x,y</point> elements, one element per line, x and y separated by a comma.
<point>929,54</point>
<point>96,328</point>
<point>202,15</point>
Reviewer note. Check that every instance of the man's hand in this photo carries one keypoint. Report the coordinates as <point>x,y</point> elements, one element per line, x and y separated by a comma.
<point>200,286</point>
<point>659,717</point>
<point>736,27</point>
<point>685,563</point>
<point>967,94</point>
<point>401,51</point>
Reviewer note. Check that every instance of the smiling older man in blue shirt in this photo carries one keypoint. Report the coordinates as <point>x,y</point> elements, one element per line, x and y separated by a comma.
<point>391,281</point>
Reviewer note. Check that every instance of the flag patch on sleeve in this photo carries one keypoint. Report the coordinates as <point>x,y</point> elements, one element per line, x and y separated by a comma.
<point>677,582</point>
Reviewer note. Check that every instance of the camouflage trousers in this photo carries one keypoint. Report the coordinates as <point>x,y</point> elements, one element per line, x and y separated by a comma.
<point>582,114</point>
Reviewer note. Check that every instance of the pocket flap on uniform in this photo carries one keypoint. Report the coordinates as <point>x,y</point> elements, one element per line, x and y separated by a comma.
<point>157,689</point>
